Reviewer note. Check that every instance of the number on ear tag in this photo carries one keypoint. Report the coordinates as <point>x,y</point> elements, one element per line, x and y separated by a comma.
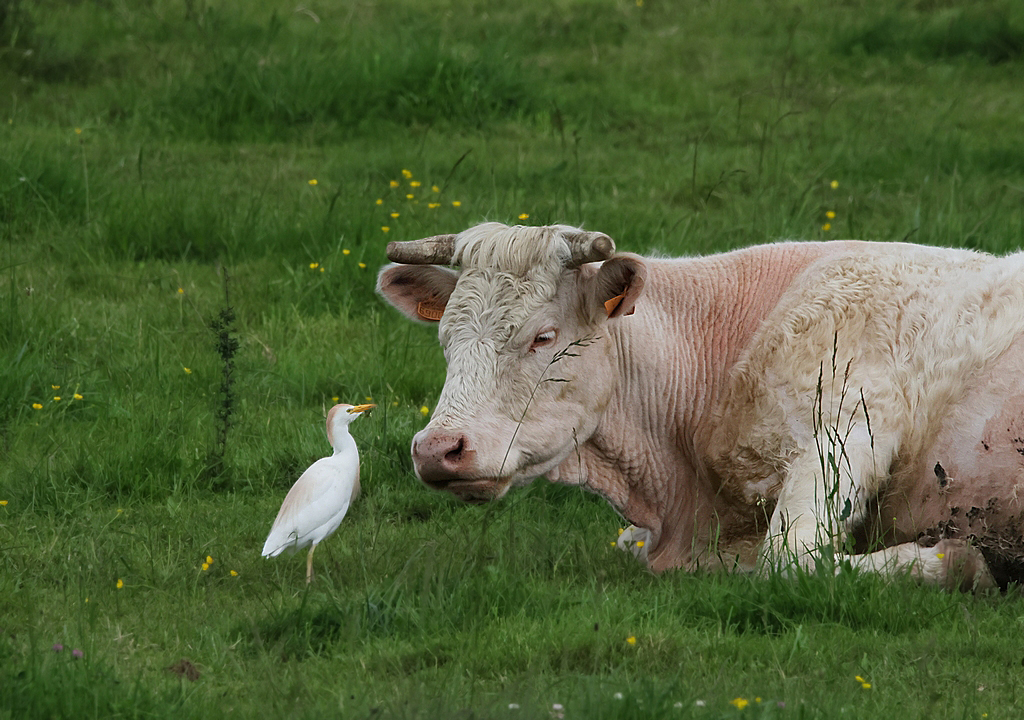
<point>430,310</point>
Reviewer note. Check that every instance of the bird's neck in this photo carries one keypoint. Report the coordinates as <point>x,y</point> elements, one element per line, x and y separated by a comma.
<point>343,442</point>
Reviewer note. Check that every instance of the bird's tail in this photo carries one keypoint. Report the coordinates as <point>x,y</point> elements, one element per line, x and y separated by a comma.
<point>275,545</point>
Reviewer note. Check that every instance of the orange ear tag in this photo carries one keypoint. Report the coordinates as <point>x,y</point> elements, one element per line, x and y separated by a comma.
<point>611,303</point>
<point>430,310</point>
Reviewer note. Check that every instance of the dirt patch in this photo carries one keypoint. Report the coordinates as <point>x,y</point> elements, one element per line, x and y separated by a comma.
<point>990,530</point>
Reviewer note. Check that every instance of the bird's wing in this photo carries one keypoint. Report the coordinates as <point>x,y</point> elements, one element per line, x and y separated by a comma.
<point>314,506</point>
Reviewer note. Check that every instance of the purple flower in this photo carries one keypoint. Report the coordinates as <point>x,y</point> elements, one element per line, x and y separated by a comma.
<point>77,653</point>
<point>57,647</point>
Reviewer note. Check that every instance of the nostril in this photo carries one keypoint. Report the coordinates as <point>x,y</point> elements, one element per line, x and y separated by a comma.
<point>441,457</point>
<point>455,454</point>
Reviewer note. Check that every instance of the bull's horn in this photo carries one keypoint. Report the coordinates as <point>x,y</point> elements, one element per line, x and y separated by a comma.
<point>585,247</point>
<point>437,250</point>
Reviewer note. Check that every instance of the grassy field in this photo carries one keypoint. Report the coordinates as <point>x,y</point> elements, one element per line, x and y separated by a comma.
<point>177,175</point>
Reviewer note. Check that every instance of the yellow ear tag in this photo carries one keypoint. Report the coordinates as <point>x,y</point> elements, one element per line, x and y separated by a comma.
<point>611,303</point>
<point>430,310</point>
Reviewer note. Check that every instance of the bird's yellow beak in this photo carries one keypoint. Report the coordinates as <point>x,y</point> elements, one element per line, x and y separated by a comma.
<point>362,408</point>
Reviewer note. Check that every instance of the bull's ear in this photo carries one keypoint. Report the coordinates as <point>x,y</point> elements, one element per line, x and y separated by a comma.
<point>420,292</point>
<point>618,284</point>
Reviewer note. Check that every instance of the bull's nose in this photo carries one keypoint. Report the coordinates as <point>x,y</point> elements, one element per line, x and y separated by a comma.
<point>442,456</point>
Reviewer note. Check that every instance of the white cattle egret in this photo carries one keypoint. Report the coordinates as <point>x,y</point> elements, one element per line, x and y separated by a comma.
<point>319,499</point>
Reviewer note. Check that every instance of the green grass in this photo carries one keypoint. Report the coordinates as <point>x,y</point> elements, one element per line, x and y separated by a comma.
<point>674,127</point>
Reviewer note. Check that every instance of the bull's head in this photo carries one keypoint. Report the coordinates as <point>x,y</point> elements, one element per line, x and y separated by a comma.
<point>526,330</point>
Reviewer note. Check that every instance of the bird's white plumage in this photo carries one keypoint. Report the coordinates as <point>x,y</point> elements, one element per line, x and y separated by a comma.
<point>319,499</point>
<point>315,506</point>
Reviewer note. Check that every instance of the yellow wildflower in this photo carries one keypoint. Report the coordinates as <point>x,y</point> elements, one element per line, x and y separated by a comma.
<point>639,543</point>
<point>395,215</point>
<point>346,251</point>
<point>433,206</point>
<point>415,183</point>
<point>940,555</point>
<point>78,131</point>
<point>406,174</point>
<point>830,215</point>
<point>335,399</point>
<point>385,228</point>
<point>188,371</point>
<point>835,184</point>
<point>37,406</point>
<point>456,203</point>
<point>826,227</point>
<point>524,216</point>
<point>234,573</point>
<point>314,266</point>
<point>77,396</point>
<point>321,269</point>
<point>3,503</point>
<point>394,183</point>
<point>369,399</point>
<point>56,398</point>
<point>409,196</point>
<point>380,201</point>
<point>435,188</point>
<point>621,530</point>
<point>739,703</point>
<point>362,266</point>
<point>120,583</point>
<point>424,411</point>
<point>313,181</point>
<point>866,685</point>
<point>181,291</point>
<point>631,639</point>
<point>209,560</point>
<point>206,566</point>
<point>55,387</point>
<point>612,543</point>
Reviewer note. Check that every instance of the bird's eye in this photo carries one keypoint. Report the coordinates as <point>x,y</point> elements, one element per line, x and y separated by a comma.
<point>545,338</point>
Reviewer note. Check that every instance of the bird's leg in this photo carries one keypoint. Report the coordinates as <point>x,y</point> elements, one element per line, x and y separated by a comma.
<point>309,564</point>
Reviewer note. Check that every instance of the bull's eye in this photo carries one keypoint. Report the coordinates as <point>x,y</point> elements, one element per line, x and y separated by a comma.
<point>543,339</point>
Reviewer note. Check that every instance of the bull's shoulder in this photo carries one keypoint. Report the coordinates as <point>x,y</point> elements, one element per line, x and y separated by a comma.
<point>745,436</point>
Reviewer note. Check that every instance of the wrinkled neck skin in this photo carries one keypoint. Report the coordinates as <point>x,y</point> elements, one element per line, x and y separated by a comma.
<point>673,359</point>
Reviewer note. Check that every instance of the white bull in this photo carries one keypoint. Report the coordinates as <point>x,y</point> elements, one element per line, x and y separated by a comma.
<point>758,403</point>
